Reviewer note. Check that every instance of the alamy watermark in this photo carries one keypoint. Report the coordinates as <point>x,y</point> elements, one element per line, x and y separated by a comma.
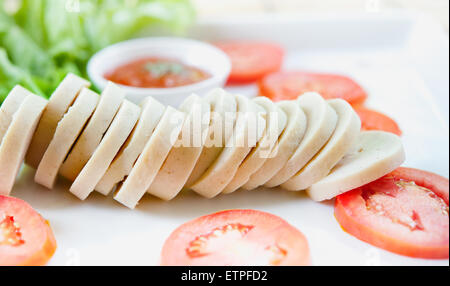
<point>228,130</point>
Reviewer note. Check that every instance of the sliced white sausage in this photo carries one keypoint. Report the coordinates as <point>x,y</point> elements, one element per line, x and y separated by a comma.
<point>97,165</point>
<point>286,145</point>
<point>58,104</point>
<point>223,118</point>
<point>17,139</point>
<point>375,154</point>
<point>321,124</point>
<point>182,158</point>
<point>275,123</point>
<point>9,106</point>
<point>151,159</point>
<point>152,111</point>
<point>344,136</point>
<point>248,130</point>
<point>109,103</point>
<point>66,134</point>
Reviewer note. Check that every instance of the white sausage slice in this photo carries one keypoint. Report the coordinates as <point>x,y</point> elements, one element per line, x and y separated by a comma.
<point>182,158</point>
<point>151,159</point>
<point>223,118</point>
<point>286,146</point>
<point>17,139</point>
<point>109,103</point>
<point>9,106</point>
<point>321,124</point>
<point>275,123</point>
<point>97,165</point>
<point>58,104</point>
<point>152,111</point>
<point>66,134</point>
<point>343,138</point>
<point>376,154</point>
<point>249,128</point>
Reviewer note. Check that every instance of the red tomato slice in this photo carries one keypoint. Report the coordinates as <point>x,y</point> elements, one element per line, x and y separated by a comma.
<point>290,85</point>
<point>25,237</point>
<point>374,120</point>
<point>405,212</point>
<point>437,184</point>
<point>236,237</point>
<point>251,60</point>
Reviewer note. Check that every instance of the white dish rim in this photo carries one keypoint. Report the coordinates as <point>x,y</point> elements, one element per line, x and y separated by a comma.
<point>217,79</point>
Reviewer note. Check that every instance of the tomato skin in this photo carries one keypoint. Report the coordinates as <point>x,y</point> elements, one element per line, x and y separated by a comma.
<point>39,243</point>
<point>266,229</point>
<point>291,84</point>
<point>251,60</point>
<point>48,250</point>
<point>350,212</point>
<point>374,120</point>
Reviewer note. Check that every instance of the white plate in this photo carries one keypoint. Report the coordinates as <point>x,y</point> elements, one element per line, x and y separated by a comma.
<point>402,60</point>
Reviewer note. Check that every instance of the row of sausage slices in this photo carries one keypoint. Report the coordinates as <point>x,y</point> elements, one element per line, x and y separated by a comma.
<point>107,144</point>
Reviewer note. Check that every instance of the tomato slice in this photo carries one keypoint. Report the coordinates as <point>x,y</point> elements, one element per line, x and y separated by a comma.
<point>251,60</point>
<point>437,184</point>
<point>289,85</point>
<point>236,237</point>
<point>374,120</point>
<point>25,237</point>
<point>405,212</point>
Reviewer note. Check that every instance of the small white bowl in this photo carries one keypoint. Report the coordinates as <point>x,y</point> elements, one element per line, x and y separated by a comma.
<point>190,52</point>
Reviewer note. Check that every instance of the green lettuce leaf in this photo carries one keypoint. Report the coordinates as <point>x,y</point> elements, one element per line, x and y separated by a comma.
<point>42,40</point>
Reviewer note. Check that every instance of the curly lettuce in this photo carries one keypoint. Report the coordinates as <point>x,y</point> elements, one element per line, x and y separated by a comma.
<point>42,40</point>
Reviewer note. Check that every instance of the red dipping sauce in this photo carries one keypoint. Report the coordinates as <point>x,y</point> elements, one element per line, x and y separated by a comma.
<point>156,72</point>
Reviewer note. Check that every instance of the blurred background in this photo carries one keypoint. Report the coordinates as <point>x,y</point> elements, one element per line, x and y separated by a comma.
<point>438,9</point>
<point>42,40</point>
